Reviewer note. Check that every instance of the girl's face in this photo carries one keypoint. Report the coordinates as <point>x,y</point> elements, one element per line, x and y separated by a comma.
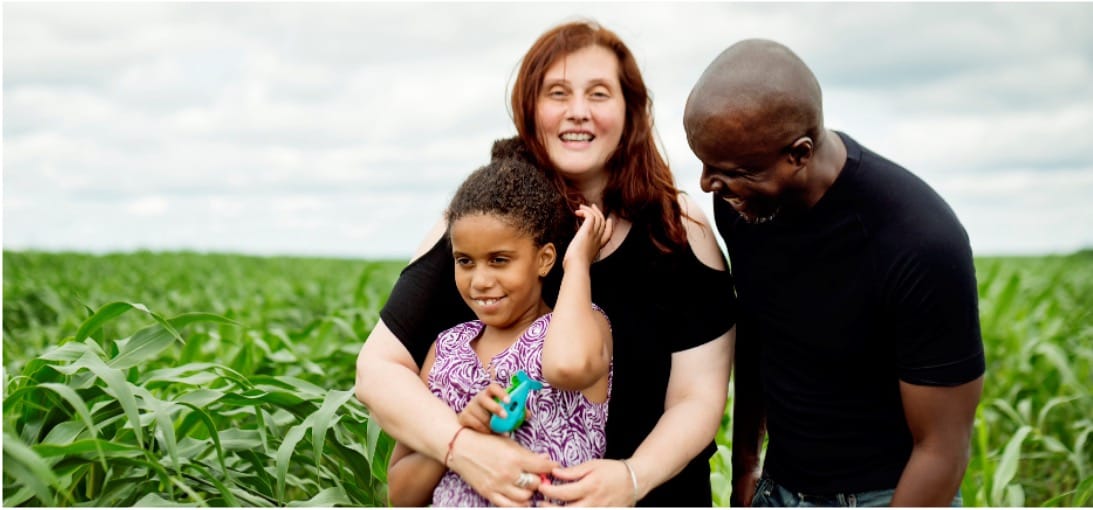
<point>498,270</point>
<point>581,112</point>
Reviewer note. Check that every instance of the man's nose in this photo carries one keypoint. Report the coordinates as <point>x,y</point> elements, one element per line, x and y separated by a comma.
<point>709,182</point>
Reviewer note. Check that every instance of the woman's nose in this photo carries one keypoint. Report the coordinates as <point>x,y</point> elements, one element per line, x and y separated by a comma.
<point>577,109</point>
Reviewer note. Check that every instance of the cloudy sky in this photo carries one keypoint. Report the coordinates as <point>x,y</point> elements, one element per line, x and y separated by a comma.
<point>342,129</point>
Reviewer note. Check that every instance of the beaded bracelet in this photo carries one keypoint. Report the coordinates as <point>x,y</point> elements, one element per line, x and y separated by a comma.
<point>633,479</point>
<point>451,443</point>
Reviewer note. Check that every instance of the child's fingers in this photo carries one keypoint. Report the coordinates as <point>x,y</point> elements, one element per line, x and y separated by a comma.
<point>608,227</point>
<point>485,400</point>
<point>496,391</point>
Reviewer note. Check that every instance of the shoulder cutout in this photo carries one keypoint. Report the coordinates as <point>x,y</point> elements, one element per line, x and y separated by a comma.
<point>434,235</point>
<point>700,234</point>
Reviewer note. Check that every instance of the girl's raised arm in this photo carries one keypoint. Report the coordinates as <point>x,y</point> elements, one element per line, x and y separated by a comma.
<point>578,345</point>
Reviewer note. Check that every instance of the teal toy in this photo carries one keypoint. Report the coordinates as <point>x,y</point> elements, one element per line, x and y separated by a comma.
<point>521,387</point>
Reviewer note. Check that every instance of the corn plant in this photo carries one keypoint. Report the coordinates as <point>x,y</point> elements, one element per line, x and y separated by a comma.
<point>134,408</point>
<point>157,379</point>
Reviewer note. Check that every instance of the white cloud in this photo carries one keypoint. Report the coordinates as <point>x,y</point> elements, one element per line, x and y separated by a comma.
<point>148,206</point>
<point>343,128</point>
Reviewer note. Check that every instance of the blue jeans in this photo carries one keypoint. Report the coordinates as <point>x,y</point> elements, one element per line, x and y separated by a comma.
<point>769,493</point>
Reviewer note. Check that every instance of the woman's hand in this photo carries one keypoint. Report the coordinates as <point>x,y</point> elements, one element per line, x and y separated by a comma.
<point>492,466</point>
<point>476,416</point>
<point>600,482</point>
<point>594,233</point>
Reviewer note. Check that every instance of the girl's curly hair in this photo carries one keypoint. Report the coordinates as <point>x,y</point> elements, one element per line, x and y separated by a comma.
<point>521,195</point>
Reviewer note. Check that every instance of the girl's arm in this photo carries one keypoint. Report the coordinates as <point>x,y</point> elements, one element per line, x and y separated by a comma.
<point>693,407</point>
<point>577,349</point>
<point>411,476</point>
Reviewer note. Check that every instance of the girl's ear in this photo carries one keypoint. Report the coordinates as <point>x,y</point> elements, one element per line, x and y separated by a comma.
<point>547,254</point>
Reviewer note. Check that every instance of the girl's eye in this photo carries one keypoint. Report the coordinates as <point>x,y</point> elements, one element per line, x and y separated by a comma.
<point>462,261</point>
<point>499,260</point>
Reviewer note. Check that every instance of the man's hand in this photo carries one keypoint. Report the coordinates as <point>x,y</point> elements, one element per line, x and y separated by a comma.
<point>743,487</point>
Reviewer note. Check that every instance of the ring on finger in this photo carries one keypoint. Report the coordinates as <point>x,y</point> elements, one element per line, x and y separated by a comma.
<point>524,480</point>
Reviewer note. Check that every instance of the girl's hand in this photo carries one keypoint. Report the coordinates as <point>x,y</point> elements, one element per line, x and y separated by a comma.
<point>477,414</point>
<point>594,233</point>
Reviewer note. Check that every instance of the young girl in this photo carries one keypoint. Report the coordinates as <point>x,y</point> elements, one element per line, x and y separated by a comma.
<point>505,224</point>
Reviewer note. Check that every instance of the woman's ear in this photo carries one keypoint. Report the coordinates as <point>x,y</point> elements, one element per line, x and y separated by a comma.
<point>547,255</point>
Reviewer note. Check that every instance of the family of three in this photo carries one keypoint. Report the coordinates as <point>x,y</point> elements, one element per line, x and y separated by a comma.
<point>849,312</point>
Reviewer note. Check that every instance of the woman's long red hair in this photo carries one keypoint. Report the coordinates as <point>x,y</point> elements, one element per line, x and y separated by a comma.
<point>640,186</point>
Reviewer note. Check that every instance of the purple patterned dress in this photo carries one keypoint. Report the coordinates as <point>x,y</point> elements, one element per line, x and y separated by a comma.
<point>563,424</point>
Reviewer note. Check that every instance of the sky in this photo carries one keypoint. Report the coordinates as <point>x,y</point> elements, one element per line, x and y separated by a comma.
<point>342,129</point>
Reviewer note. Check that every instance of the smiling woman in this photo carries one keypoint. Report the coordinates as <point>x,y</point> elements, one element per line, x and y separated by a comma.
<point>584,119</point>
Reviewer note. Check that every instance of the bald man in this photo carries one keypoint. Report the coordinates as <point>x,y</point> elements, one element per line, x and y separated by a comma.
<point>859,353</point>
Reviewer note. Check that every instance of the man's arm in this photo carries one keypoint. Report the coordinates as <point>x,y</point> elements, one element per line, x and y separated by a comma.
<point>748,424</point>
<point>940,419</point>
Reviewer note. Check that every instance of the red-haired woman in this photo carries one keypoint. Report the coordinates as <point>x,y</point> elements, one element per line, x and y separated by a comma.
<point>583,116</point>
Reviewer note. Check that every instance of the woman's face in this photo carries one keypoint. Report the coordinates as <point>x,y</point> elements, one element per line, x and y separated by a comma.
<point>581,112</point>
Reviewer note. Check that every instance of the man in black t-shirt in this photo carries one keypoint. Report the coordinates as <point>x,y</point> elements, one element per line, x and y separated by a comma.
<point>858,345</point>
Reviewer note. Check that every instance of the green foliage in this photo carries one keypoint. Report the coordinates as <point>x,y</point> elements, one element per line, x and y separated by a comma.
<point>164,379</point>
<point>243,399</point>
<point>1031,445</point>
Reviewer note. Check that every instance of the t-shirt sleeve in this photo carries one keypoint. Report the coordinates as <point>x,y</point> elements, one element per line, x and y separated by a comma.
<point>425,301</point>
<point>933,303</point>
<point>703,302</point>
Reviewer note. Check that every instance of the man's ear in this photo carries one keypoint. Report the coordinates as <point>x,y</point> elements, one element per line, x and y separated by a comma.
<point>801,150</point>
<point>547,255</point>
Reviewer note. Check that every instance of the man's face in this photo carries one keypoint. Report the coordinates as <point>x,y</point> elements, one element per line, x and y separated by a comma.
<point>759,179</point>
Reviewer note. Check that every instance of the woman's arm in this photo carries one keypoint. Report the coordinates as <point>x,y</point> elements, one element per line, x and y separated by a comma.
<point>577,348</point>
<point>411,476</point>
<point>694,405</point>
<point>389,385</point>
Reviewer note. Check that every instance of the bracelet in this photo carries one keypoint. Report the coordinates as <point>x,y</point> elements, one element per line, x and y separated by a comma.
<point>452,443</point>
<point>633,479</point>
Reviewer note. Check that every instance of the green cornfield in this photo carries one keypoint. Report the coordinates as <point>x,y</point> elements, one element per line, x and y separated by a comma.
<point>163,379</point>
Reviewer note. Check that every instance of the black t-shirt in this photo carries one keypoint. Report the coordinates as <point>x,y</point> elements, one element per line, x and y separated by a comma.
<point>657,304</point>
<point>872,286</point>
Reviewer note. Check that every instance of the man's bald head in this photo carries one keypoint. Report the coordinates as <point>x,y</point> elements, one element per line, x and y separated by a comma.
<point>756,92</point>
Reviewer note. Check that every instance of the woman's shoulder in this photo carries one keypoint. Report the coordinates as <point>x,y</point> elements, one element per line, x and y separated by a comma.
<point>700,234</point>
